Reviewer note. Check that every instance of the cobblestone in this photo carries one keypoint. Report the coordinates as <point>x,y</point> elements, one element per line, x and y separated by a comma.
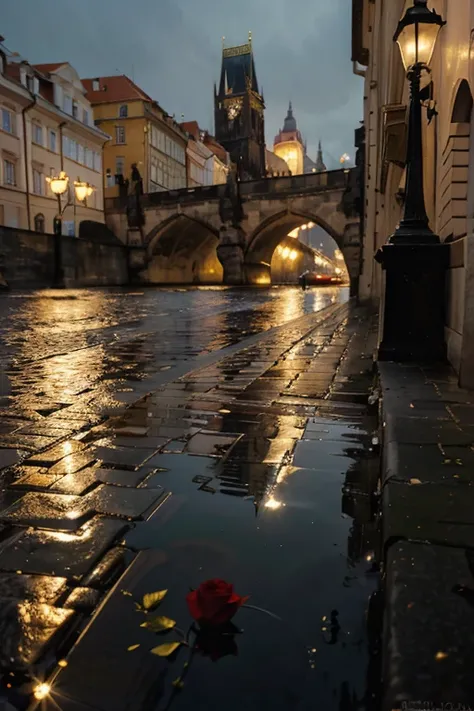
<point>213,423</point>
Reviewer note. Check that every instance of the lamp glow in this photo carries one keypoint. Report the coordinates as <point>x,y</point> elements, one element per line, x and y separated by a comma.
<point>417,33</point>
<point>41,691</point>
<point>59,184</point>
<point>83,190</point>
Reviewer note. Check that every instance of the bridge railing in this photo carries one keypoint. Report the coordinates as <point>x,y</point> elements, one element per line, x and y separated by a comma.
<point>311,182</point>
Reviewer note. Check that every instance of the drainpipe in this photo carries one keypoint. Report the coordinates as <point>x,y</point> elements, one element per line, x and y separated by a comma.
<point>60,127</point>
<point>25,145</point>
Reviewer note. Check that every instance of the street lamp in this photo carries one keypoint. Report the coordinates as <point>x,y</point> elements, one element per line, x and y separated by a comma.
<point>416,36</point>
<point>83,191</point>
<point>414,261</point>
<point>60,186</point>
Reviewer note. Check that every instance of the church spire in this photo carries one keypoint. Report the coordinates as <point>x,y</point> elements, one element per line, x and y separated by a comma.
<point>289,125</point>
<point>320,166</point>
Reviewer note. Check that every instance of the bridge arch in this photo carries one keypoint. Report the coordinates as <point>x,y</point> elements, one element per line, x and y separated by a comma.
<point>182,250</point>
<point>274,231</point>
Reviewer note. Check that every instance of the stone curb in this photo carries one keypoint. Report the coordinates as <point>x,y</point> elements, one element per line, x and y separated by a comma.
<point>427,545</point>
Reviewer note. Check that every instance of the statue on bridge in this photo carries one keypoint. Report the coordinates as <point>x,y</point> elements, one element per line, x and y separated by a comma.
<point>135,214</point>
<point>230,250</point>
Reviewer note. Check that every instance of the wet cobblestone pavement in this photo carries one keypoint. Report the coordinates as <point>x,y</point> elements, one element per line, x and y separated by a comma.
<point>166,438</point>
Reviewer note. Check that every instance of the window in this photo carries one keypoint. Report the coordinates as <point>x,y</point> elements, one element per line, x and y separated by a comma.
<point>39,223</point>
<point>85,117</point>
<point>95,85</point>
<point>7,120</point>
<point>9,172</point>
<point>38,134</point>
<point>123,111</point>
<point>72,149</point>
<point>38,182</point>
<point>97,162</point>
<point>75,109</point>
<point>52,141</point>
<point>80,154</point>
<point>119,165</point>
<point>67,104</point>
<point>88,157</point>
<point>119,134</point>
<point>68,228</point>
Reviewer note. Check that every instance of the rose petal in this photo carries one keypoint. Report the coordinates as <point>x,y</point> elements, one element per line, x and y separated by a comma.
<point>193,605</point>
<point>212,596</point>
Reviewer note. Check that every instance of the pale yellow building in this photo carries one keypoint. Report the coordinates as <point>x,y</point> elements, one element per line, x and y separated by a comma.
<point>448,152</point>
<point>46,126</point>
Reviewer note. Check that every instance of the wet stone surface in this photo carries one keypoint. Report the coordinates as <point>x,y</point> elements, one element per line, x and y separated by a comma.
<point>191,456</point>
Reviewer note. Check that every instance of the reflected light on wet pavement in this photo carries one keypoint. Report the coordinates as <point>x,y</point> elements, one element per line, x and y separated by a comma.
<point>207,433</point>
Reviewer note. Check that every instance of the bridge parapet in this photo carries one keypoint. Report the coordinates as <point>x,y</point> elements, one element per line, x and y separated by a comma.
<point>266,187</point>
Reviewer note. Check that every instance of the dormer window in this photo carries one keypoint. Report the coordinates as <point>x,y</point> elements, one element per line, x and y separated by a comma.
<point>2,63</point>
<point>123,111</point>
<point>95,85</point>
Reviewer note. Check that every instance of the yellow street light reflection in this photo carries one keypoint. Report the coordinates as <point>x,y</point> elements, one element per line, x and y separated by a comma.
<point>41,691</point>
<point>272,503</point>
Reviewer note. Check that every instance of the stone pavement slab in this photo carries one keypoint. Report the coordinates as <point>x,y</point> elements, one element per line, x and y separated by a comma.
<point>70,555</point>
<point>430,613</point>
<point>27,630</point>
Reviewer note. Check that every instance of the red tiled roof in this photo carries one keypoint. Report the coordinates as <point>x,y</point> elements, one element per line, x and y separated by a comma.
<point>47,68</point>
<point>216,148</point>
<point>191,127</point>
<point>114,89</point>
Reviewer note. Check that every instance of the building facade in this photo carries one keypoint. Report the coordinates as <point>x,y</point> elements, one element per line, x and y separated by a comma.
<point>142,134</point>
<point>46,127</point>
<point>448,152</point>
<point>239,112</point>
<point>208,161</point>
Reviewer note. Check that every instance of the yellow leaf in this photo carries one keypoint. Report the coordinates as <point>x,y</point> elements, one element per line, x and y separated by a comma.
<point>164,650</point>
<point>415,481</point>
<point>126,593</point>
<point>133,648</point>
<point>178,683</point>
<point>159,624</point>
<point>152,600</point>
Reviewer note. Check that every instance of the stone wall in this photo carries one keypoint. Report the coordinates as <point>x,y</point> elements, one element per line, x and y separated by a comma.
<point>27,260</point>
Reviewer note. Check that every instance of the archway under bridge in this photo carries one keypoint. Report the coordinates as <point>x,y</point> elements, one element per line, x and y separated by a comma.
<point>182,250</point>
<point>272,257</point>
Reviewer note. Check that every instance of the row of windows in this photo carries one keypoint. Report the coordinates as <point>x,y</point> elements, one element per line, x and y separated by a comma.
<point>167,145</point>
<point>68,226</point>
<point>167,173</point>
<point>81,154</point>
<point>40,186</point>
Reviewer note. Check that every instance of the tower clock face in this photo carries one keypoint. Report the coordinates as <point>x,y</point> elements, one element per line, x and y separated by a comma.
<point>233,109</point>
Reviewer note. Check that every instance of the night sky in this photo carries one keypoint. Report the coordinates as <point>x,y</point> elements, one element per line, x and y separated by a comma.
<point>172,49</point>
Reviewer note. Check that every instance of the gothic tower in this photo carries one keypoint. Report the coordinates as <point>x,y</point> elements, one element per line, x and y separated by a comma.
<point>239,112</point>
<point>320,166</point>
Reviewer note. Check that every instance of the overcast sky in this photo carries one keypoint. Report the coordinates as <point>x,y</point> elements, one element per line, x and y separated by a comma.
<point>172,49</point>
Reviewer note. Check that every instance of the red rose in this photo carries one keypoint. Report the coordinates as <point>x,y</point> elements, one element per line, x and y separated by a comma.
<point>214,602</point>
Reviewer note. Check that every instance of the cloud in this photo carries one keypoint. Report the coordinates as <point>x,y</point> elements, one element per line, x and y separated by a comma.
<point>172,49</point>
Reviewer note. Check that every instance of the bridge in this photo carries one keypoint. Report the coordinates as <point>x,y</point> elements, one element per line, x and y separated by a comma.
<point>184,239</point>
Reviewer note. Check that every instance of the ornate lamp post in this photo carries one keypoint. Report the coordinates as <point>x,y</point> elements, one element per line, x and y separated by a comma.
<point>60,186</point>
<point>416,36</point>
<point>414,260</point>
